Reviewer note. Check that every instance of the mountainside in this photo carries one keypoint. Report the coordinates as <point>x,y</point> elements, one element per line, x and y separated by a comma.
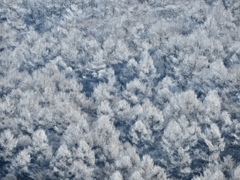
<point>131,89</point>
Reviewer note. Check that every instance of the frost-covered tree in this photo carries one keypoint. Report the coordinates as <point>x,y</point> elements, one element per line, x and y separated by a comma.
<point>106,89</point>
<point>8,144</point>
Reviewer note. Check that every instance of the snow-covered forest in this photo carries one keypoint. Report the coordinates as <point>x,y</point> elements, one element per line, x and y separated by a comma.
<point>119,89</point>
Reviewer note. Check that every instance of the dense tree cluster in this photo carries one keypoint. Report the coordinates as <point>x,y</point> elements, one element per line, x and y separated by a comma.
<point>107,89</point>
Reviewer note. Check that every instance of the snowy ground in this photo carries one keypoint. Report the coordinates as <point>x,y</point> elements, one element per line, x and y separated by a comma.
<point>128,89</point>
